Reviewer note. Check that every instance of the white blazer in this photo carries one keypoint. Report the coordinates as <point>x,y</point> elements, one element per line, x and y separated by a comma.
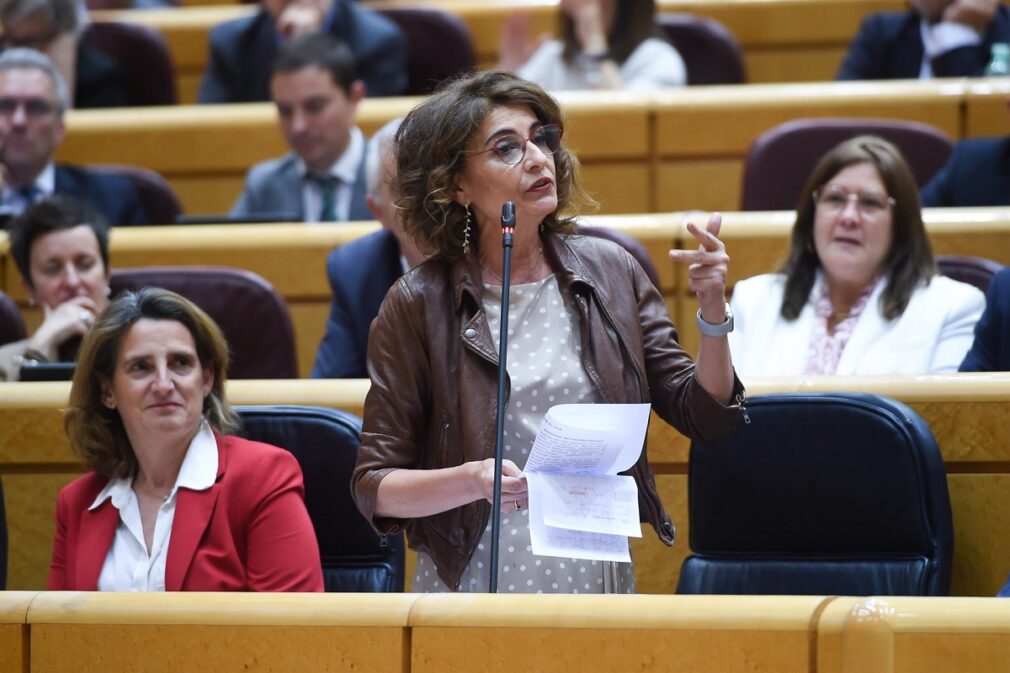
<point>932,335</point>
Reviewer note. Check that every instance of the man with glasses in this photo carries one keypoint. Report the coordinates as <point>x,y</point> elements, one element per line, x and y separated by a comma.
<point>54,27</point>
<point>316,91</point>
<point>33,99</point>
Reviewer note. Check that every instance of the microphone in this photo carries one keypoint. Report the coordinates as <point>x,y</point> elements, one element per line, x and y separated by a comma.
<point>508,222</point>
<point>508,225</point>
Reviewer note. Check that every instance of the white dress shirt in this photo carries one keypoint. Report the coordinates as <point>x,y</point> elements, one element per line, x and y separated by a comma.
<point>939,38</point>
<point>128,566</point>
<point>346,170</point>
<point>13,200</point>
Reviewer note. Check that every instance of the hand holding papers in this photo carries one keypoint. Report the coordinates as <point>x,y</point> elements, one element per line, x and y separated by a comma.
<point>579,506</point>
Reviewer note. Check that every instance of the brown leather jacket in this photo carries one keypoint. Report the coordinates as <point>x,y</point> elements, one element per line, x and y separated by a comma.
<point>433,366</point>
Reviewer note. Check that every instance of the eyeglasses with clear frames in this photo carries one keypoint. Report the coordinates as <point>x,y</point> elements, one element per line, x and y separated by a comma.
<point>833,200</point>
<point>511,148</point>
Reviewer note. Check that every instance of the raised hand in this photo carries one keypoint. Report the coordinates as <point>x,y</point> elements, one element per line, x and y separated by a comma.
<point>302,16</point>
<point>73,317</point>
<point>976,14</point>
<point>709,265</point>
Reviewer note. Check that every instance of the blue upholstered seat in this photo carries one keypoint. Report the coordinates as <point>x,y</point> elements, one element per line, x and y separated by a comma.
<point>828,493</point>
<point>325,442</point>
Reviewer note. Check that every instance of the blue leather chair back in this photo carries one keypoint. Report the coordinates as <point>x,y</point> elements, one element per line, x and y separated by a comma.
<point>325,442</point>
<point>830,493</point>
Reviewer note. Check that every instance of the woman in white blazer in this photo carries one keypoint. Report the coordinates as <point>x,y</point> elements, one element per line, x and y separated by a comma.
<point>859,292</point>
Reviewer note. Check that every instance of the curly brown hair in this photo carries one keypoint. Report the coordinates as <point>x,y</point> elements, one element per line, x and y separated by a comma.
<point>909,262</point>
<point>96,433</point>
<point>430,151</point>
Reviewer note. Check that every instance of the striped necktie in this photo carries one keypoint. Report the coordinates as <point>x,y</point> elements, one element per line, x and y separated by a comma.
<point>328,192</point>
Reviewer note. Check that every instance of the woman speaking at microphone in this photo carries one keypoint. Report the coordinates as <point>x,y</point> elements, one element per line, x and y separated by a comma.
<point>585,326</point>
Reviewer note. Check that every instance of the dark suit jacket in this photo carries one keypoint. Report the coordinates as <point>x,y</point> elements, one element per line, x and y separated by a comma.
<point>889,46</point>
<point>112,195</point>
<point>991,350</point>
<point>101,82</point>
<point>247,532</point>
<point>360,274</point>
<point>242,54</point>
<point>977,174</point>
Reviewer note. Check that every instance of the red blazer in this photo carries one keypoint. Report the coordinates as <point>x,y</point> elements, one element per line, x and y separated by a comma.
<point>248,532</point>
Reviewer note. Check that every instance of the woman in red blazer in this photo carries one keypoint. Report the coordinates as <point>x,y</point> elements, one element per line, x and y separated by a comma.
<point>172,503</point>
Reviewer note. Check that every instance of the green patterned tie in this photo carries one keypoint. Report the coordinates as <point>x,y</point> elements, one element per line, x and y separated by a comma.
<point>328,191</point>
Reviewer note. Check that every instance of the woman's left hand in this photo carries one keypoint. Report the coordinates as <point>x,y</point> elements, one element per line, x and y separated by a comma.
<point>709,265</point>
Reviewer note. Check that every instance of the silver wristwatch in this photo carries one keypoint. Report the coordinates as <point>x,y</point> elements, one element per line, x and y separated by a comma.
<point>716,330</point>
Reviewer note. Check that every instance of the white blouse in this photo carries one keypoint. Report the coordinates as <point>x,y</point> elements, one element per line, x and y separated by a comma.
<point>654,64</point>
<point>128,566</point>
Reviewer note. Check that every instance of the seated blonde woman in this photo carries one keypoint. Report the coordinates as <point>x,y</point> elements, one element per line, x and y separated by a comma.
<point>859,292</point>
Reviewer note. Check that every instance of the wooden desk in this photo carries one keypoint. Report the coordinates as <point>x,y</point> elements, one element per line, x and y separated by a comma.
<point>158,632</point>
<point>969,414</point>
<point>205,151</point>
<point>171,632</point>
<point>640,152</point>
<point>293,256</point>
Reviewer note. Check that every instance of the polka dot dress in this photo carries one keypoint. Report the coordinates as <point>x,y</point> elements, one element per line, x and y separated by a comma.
<point>545,368</point>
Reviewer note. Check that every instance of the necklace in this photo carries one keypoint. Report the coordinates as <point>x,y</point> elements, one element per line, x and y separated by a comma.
<point>519,281</point>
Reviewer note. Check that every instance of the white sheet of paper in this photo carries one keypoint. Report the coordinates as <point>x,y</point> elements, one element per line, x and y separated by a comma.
<point>579,506</point>
<point>589,438</point>
<point>549,541</point>
<point>592,503</point>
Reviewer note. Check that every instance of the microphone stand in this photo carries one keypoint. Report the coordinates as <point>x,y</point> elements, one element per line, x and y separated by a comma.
<point>508,224</point>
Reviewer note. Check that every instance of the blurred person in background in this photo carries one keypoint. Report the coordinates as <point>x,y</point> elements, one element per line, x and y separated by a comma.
<point>932,38</point>
<point>605,44</point>
<point>362,271</point>
<point>61,248</point>
<point>859,292</point>
<point>55,27</point>
<point>242,51</point>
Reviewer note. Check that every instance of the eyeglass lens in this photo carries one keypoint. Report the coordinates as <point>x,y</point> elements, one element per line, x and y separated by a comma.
<point>834,199</point>
<point>512,148</point>
<point>34,107</point>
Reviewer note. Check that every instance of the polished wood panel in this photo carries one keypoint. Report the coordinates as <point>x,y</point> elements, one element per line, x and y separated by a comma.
<point>905,635</point>
<point>612,633</point>
<point>74,632</point>
<point>13,632</point>
<point>640,152</point>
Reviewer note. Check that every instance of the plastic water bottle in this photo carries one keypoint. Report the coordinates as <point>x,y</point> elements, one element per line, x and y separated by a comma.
<point>999,62</point>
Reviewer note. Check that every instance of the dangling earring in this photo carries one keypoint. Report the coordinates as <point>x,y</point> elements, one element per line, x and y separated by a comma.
<point>31,301</point>
<point>466,231</point>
